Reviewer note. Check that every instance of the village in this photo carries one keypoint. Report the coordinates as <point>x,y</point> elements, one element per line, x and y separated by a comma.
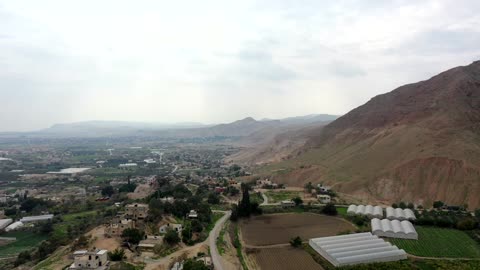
<point>172,208</point>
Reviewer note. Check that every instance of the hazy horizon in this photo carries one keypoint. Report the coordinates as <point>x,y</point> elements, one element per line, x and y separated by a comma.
<point>217,62</point>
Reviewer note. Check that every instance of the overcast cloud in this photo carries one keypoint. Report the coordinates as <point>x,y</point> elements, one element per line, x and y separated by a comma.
<point>219,61</point>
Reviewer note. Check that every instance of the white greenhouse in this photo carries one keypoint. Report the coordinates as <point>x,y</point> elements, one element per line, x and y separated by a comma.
<point>356,248</point>
<point>370,211</point>
<point>36,218</point>
<point>400,214</point>
<point>14,226</point>
<point>5,222</point>
<point>393,229</point>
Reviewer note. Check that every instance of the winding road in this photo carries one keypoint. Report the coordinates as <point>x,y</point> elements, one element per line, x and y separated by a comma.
<point>217,259</point>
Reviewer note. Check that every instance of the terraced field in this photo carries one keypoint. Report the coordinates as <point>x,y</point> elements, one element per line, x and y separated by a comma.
<point>437,242</point>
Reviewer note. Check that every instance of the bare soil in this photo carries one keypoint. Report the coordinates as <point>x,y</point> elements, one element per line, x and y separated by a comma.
<point>280,228</point>
<point>285,258</point>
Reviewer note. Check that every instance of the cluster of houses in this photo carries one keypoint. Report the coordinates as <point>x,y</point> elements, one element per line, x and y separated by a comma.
<point>133,217</point>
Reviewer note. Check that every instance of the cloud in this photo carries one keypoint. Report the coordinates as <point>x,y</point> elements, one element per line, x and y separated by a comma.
<point>217,61</point>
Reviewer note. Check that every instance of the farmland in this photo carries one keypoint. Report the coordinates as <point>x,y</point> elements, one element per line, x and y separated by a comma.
<point>436,242</point>
<point>278,196</point>
<point>284,258</point>
<point>25,241</point>
<point>280,228</point>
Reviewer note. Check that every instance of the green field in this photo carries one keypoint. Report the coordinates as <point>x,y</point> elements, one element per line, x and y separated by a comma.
<point>278,196</point>
<point>60,229</point>
<point>342,210</point>
<point>437,242</point>
<point>25,241</point>
<point>256,197</point>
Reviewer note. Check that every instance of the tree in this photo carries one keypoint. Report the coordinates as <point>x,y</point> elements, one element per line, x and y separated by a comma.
<point>187,233</point>
<point>477,213</point>
<point>330,209</point>
<point>297,201</point>
<point>296,242</point>
<point>411,206</point>
<point>213,198</point>
<point>244,208</point>
<point>171,237</point>
<point>309,187</point>
<point>127,188</point>
<point>190,264</point>
<point>132,235</point>
<point>394,205</point>
<point>196,226</point>
<point>108,191</point>
<point>22,258</point>
<point>438,204</point>
<point>46,227</point>
<point>402,205</point>
<point>116,255</point>
<point>466,224</point>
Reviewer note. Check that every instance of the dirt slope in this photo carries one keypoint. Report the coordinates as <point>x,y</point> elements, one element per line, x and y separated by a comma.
<point>420,143</point>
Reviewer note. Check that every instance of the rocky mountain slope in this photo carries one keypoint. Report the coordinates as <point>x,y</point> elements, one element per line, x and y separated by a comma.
<point>418,143</point>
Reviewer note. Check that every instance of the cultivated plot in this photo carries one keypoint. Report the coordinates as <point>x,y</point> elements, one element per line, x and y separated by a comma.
<point>280,228</point>
<point>286,258</point>
<point>437,242</point>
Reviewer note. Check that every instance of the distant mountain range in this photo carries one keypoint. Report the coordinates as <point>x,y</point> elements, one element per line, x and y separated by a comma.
<point>418,143</point>
<point>240,128</point>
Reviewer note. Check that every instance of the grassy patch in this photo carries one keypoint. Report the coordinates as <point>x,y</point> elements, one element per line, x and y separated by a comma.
<point>221,244</point>
<point>215,217</point>
<point>256,197</point>
<point>25,241</point>
<point>238,246</point>
<point>437,242</point>
<point>342,211</point>
<point>60,229</point>
<point>277,196</point>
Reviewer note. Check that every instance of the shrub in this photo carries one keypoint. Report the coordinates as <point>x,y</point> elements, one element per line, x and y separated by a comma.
<point>116,255</point>
<point>329,209</point>
<point>466,224</point>
<point>296,242</point>
<point>171,237</point>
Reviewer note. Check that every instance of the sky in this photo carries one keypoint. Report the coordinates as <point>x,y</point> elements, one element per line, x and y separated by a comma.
<point>219,61</point>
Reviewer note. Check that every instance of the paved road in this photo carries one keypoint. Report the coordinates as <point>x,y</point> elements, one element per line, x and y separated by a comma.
<point>217,259</point>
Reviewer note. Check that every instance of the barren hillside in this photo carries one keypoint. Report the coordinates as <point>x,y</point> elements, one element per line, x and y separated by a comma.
<point>420,142</point>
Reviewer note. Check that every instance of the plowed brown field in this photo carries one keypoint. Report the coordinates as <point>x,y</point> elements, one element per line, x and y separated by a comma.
<point>280,228</point>
<point>286,258</point>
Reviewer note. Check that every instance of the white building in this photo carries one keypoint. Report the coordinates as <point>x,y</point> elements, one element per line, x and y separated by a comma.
<point>95,260</point>
<point>358,248</point>
<point>393,229</point>
<point>192,214</point>
<point>287,203</point>
<point>324,198</point>
<point>171,226</point>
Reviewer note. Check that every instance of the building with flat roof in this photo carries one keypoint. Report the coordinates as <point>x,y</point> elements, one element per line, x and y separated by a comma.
<point>136,211</point>
<point>90,260</point>
<point>117,226</point>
